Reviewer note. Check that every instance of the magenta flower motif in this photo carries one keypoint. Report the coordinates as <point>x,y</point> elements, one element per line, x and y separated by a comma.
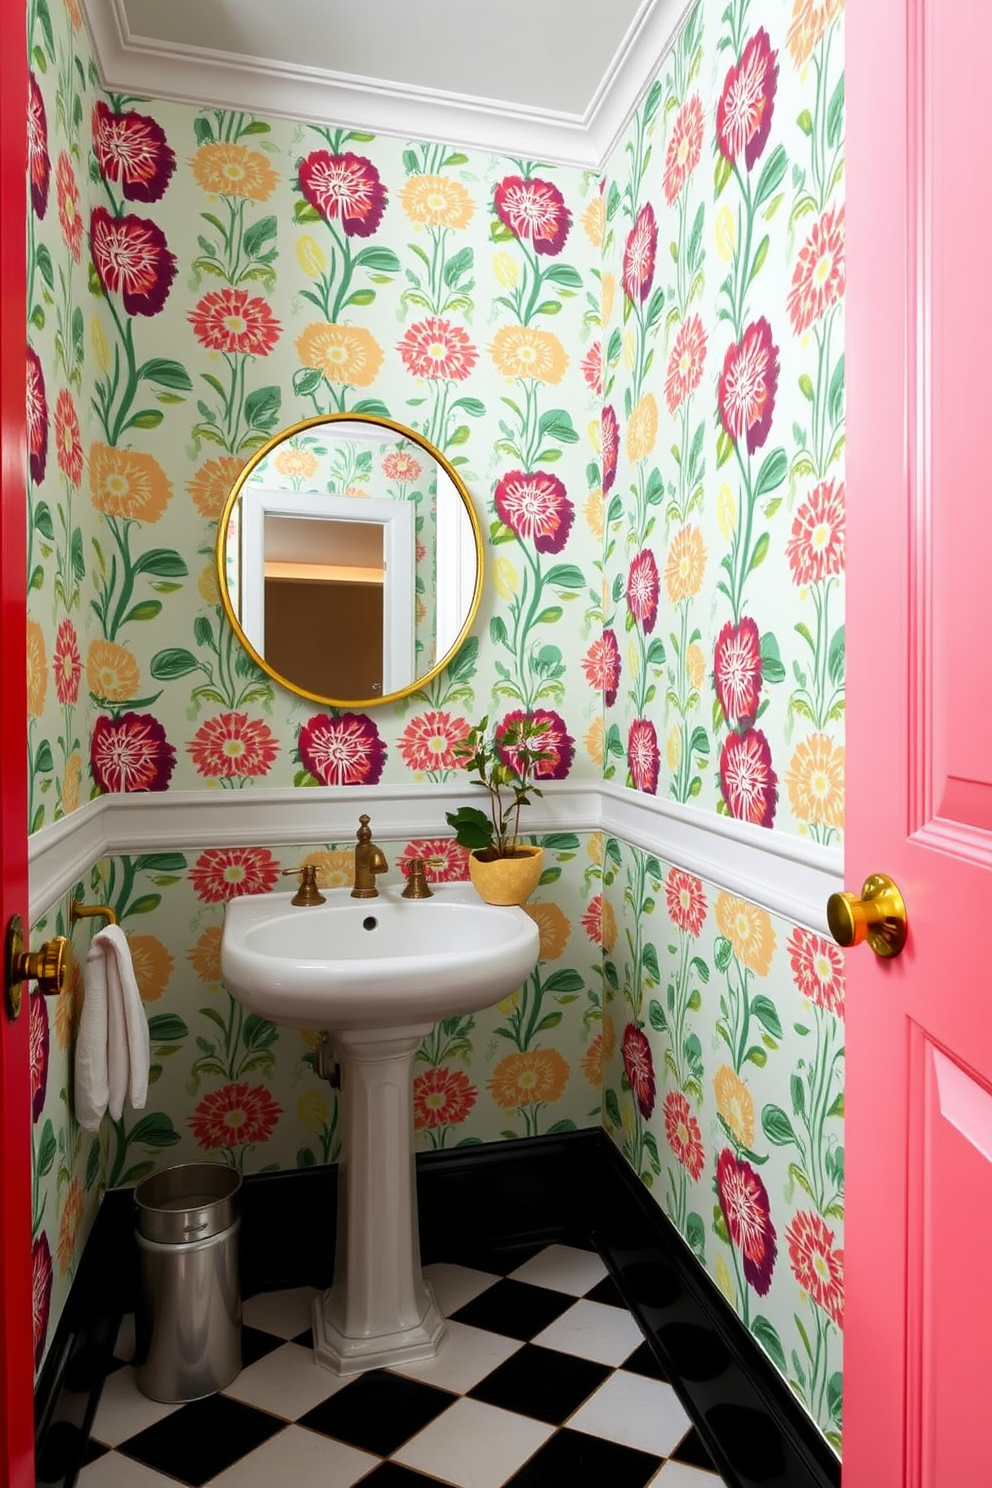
<point>38,1039</point>
<point>536,509</point>
<point>639,1067</point>
<point>639,256</point>
<point>553,739</point>
<point>133,260</point>
<point>342,750</point>
<point>39,163</point>
<point>601,665</point>
<point>67,664</point>
<point>744,113</point>
<point>737,671</point>
<point>41,1293</point>
<point>610,439</point>
<point>744,1202</point>
<point>643,587</point>
<point>535,211</point>
<point>131,753</point>
<point>37,417</point>
<point>748,782</point>
<point>131,150</point>
<point>345,186</point>
<point>437,349</point>
<point>747,385</point>
<point>643,759</point>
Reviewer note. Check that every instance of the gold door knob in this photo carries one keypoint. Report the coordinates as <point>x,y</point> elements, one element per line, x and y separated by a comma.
<point>49,966</point>
<point>879,916</point>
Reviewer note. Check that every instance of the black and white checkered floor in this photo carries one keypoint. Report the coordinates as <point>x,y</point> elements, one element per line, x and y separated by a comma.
<point>544,1381</point>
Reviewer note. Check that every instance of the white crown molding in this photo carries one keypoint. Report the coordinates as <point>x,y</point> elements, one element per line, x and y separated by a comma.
<point>785,875</point>
<point>184,74</point>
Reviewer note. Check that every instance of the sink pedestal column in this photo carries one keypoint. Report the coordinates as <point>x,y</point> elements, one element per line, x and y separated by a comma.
<point>379,1309</point>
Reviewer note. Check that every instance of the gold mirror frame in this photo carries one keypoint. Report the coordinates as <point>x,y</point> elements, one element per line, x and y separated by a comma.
<point>221,560</point>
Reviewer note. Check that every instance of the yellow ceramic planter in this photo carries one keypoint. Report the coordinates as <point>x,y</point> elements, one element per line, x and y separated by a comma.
<point>507,880</point>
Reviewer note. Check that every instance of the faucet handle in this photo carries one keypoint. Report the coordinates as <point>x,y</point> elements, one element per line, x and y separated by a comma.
<point>417,886</point>
<point>308,892</point>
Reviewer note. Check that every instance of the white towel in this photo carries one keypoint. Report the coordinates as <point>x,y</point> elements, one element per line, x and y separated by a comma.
<point>112,1046</point>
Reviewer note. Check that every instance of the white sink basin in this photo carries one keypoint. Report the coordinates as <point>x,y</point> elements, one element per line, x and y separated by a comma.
<point>387,962</point>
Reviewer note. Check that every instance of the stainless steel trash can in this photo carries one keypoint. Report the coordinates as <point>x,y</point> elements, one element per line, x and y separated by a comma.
<point>188,1323</point>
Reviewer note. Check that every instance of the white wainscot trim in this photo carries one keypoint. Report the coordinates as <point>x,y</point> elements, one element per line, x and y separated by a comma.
<point>783,874</point>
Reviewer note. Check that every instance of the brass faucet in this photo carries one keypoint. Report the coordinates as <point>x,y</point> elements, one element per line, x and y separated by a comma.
<point>369,860</point>
<point>308,892</point>
<point>417,886</point>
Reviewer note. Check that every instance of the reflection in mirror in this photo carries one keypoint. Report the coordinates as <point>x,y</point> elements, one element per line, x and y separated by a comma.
<point>350,559</point>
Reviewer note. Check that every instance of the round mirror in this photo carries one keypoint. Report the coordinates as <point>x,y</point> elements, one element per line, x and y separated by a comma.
<point>349,557</point>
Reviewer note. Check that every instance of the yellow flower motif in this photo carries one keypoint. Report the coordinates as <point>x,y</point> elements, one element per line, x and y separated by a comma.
<point>595,513</point>
<point>70,1218</point>
<point>128,483</point>
<point>685,565</point>
<point>633,658</point>
<point>343,353</point>
<point>726,512</point>
<point>211,485</point>
<point>608,925</point>
<point>528,1077</point>
<point>594,847</point>
<point>725,1281</point>
<point>313,1112</point>
<point>296,464</point>
<point>735,1104</point>
<point>815,781</point>
<point>67,1007</point>
<point>506,269</point>
<point>607,296</point>
<point>725,231</point>
<point>152,965</point>
<point>553,926</point>
<point>111,672</point>
<point>234,170</point>
<point>594,221</point>
<point>37,670</point>
<point>509,1003</point>
<point>629,350</point>
<point>505,578</point>
<point>642,429</point>
<point>749,930</point>
<point>594,740</point>
<point>695,665</point>
<point>522,351</point>
<point>207,586</point>
<point>437,201</point>
<point>335,870</point>
<point>205,955</point>
<point>310,256</point>
<point>673,747</point>
<point>71,776</point>
<point>101,350</point>
<point>595,431</point>
<point>311,1037</point>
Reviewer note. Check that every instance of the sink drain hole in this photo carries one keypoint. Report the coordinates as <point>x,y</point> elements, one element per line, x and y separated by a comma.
<point>370,922</point>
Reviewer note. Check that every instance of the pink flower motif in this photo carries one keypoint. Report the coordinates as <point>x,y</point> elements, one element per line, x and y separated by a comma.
<point>342,750</point>
<point>68,444</point>
<point>639,255</point>
<point>67,664</point>
<point>39,164</point>
<point>816,549</point>
<point>592,368</point>
<point>744,1202</point>
<point>37,417</point>
<point>610,438</point>
<point>429,741</point>
<point>131,753</point>
<point>38,1038</point>
<point>820,276</point>
<point>535,211</point>
<point>686,901</point>
<point>536,509</point>
<point>737,671</point>
<point>345,186</point>
<point>41,1293</point>
<point>601,665</point>
<point>131,149</point>
<point>818,1268</point>
<point>639,1067</point>
<point>747,385</point>
<point>400,466</point>
<point>685,145</point>
<point>744,113</point>
<point>132,259</point>
<point>684,1136</point>
<point>231,320</point>
<point>685,365</point>
<point>443,859</point>
<point>592,920</point>
<point>67,196</point>
<point>441,1097</point>
<point>436,349</point>
<point>237,1115</point>
<point>231,745</point>
<point>545,731</point>
<point>817,970</point>
<point>643,759</point>
<point>643,588</point>
<point>223,873</point>
<point>748,782</point>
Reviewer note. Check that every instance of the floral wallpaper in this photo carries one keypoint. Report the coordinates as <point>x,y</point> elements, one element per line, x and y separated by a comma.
<point>641,380</point>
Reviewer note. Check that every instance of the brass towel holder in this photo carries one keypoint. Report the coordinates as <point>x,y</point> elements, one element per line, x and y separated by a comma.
<point>49,966</point>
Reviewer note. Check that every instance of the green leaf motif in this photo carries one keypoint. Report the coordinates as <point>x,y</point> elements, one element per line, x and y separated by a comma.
<point>767,1335</point>
<point>766,1013</point>
<point>777,1127</point>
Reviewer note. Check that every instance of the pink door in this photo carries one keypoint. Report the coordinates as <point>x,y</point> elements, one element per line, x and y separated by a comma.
<point>918,1336</point>
<point>16,1365</point>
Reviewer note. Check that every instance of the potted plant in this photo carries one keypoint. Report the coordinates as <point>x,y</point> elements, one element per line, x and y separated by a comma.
<point>503,869</point>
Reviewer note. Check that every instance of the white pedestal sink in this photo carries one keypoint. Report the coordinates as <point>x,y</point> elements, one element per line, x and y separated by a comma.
<point>376,974</point>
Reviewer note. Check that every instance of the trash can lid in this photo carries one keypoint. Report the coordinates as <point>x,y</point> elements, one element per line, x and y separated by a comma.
<point>189,1202</point>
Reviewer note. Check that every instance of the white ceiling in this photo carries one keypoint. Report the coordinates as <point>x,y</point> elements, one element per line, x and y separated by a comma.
<point>551,79</point>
